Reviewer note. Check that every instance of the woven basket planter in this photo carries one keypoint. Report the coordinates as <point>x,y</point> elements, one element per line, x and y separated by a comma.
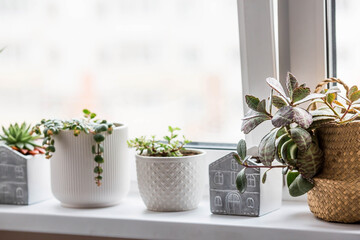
<point>336,195</point>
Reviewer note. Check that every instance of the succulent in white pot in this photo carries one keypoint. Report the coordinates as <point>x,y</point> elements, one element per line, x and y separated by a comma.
<point>170,177</point>
<point>89,166</point>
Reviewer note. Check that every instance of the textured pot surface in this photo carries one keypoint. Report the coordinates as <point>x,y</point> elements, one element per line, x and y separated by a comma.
<point>171,184</point>
<point>72,176</point>
<point>336,195</point>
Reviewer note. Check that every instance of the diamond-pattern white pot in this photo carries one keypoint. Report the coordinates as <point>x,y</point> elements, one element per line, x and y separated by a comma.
<point>171,183</point>
<point>72,175</point>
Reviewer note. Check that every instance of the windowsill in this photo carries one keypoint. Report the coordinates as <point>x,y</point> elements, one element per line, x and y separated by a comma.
<point>130,219</point>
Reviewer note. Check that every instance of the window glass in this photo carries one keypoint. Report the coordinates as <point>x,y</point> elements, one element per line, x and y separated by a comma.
<point>347,41</point>
<point>146,63</point>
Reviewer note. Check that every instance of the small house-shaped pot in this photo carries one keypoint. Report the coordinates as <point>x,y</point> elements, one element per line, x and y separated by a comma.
<point>258,199</point>
<point>23,179</point>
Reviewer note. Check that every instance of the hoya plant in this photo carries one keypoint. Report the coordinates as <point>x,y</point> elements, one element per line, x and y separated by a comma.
<point>21,139</point>
<point>170,146</point>
<point>292,141</point>
<point>88,125</point>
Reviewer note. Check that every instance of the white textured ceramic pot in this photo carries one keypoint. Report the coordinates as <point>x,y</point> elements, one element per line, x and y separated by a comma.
<point>72,176</point>
<point>171,183</point>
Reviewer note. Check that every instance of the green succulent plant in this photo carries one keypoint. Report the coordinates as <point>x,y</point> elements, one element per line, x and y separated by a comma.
<point>172,147</point>
<point>292,141</point>
<point>88,125</point>
<point>20,138</point>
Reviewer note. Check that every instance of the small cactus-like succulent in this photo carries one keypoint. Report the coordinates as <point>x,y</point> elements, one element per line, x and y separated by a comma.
<point>21,139</point>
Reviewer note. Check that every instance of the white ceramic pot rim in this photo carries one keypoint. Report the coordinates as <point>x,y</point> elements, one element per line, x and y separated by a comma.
<point>144,157</point>
<point>118,126</point>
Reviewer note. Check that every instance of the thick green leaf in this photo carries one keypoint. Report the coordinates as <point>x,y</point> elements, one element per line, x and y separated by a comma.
<point>291,83</point>
<point>19,145</point>
<point>310,97</point>
<point>283,117</point>
<point>276,85</point>
<point>267,147</point>
<point>241,181</point>
<point>309,162</point>
<point>263,179</point>
<point>300,186</point>
<point>355,96</point>
<point>300,93</point>
<point>252,102</point>
<point>29,146</point>
<point>262,107</point>
<point>289,152</point>
<point>330,97</point>
<point>301,137</point>
<point>241,149</point>
<point>253,114</point>
<point>278,101</point>
<point>290,177</point>
<point>320,113</point>
<point>249,124</point>
<point>302,117</point>
<point>86,111</point>
<point>279,143</point>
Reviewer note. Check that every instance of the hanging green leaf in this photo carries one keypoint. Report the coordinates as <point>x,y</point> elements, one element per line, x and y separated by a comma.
<point>301,137</point>
<point>249,124</point>
<point>241,149</point>
<point>302,117</point>
<point>290,177</point>
<point>241,181</point>
<point>279,143</point>
<point>309,162</point>
<point>355,96</point>
<point>300,186</point>
<point>289,152</point>
<point>262,107</point>
<point>283,117</point>
<point>267,147</point>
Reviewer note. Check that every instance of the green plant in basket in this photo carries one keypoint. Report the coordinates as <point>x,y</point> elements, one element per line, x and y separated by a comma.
<point>292,142</point>
<point>88,125</point>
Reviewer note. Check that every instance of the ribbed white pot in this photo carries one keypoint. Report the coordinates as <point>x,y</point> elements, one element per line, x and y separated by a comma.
<point>72,176</point>
<point>171,183</point>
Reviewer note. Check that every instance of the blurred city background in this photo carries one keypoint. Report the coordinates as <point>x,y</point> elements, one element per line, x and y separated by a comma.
<point>146,63</point>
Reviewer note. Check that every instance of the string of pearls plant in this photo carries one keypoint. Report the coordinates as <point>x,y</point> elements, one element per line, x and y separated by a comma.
<point>88,125</point>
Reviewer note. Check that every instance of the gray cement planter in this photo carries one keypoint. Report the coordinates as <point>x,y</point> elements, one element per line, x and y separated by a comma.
<point>258,199</point>
<point>23,179</point>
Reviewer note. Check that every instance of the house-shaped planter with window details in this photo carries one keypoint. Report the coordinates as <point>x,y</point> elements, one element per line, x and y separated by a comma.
<point>258,199</point>
<point>23,179</point>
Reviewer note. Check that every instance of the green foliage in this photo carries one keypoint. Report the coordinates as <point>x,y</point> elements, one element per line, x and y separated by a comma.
<point>88,125</point>
<point>20,138</point>
<point>172,147</point>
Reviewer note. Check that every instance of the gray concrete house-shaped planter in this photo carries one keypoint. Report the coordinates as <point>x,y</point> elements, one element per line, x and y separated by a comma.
<point>258,199</point>
<point>23,179</point>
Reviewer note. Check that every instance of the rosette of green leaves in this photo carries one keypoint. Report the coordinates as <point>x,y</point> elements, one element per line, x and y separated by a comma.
<point>291,141</point>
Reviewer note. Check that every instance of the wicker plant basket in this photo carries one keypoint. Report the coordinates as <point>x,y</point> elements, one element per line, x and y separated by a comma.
<point>336,195</point>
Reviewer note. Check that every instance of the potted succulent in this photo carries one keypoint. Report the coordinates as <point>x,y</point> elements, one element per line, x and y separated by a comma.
<point>89,166</point>
<point>170,177</point>
<point>316,147</point>
<point>24,171</point>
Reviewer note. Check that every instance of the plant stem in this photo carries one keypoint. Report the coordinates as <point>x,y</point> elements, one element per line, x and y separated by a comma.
<point>331,108</point>
<point>347,110</point>
<point>269,167</point>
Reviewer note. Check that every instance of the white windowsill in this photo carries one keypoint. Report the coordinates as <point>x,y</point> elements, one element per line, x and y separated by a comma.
<point>130,219</point>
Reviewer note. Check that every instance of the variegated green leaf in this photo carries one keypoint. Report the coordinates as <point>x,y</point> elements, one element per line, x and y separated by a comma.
<point>301,137</point>
<point>330,97</point>
<point>253,114</point>
<point>267,147</point>
<point>291,83</point>
<point>241,181</point>
<point>252,102</point>
<point>289,152</point>
<point>310,97</point>
<point>279,143</point>
<point>300,186</point>
<point>302,117</point>
<point>355,96</point>
<point>283,117</point>
<point>278,101</point>
<point>262,107</point>
<point>249,124</point>
<point>241,149</point>
<point>309,161</point>
<point>290,177</point>
<point>300,93</point>
<point>352,90</point>
<point>276,85</point>
<point>322,112</point>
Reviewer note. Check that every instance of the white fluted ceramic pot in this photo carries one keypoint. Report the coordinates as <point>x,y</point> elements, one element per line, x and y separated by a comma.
<point>72,176</point>
<point>171,183</point>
